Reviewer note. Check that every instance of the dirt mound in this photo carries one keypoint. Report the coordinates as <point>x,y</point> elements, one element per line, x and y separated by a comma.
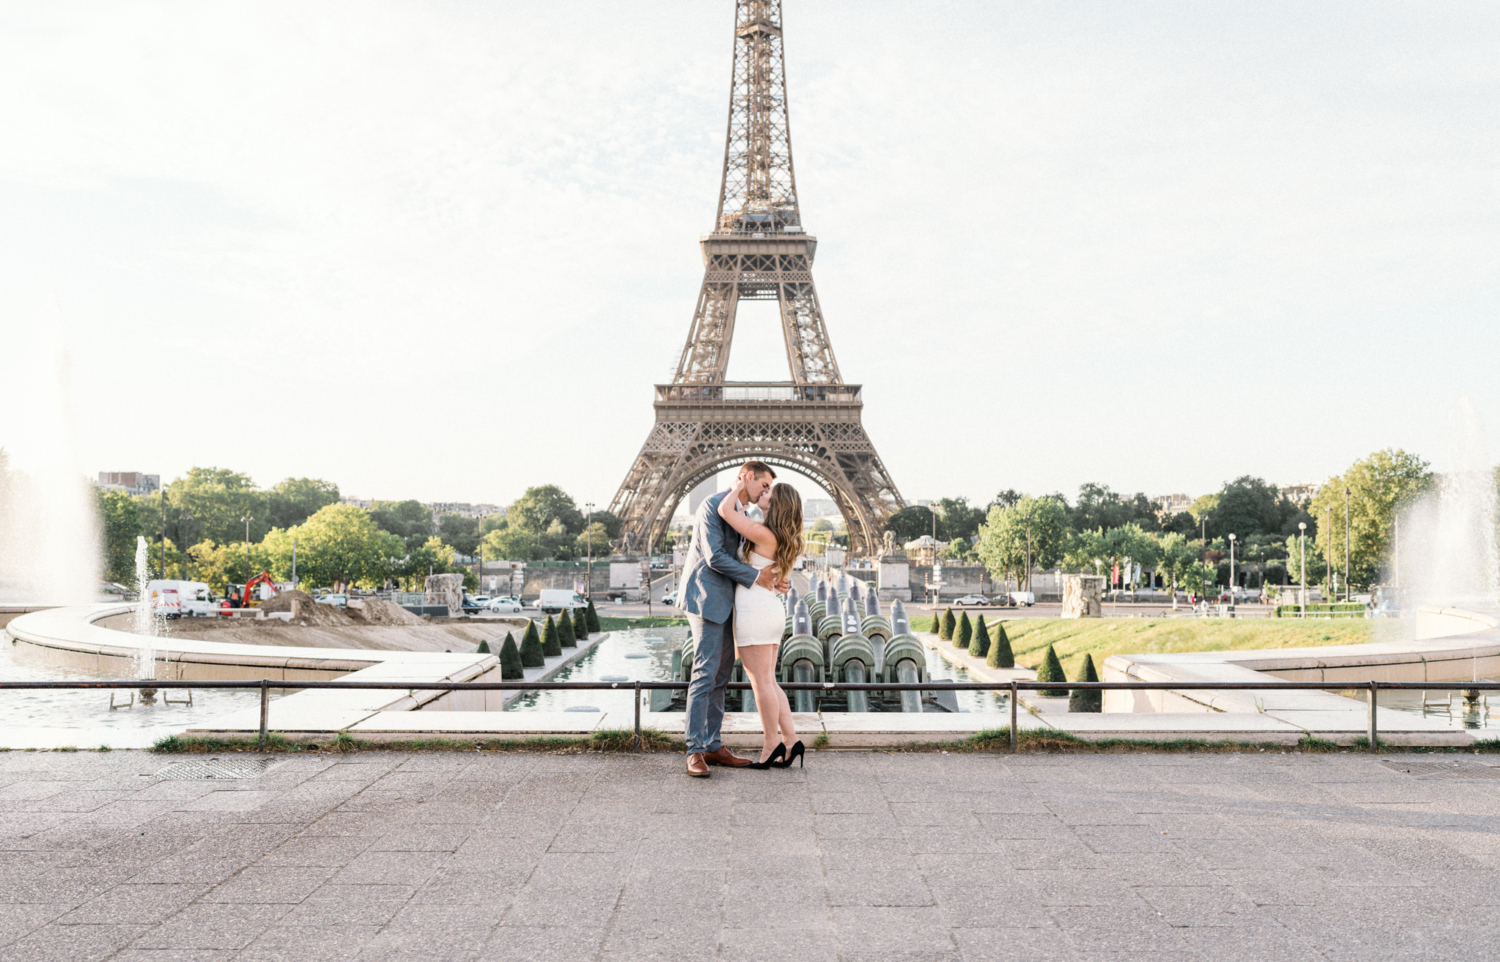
<point>309,612</point>
<point>373,611</point>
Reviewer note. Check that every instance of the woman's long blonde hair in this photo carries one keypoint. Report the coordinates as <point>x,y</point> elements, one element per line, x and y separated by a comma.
<point>784,518</point>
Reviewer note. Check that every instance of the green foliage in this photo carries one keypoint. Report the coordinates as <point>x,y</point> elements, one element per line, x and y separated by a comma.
<point>215,499</point>
<point>909,524</point>
<point>949,624</point>
<point>1000,655</point>
<point>538,509</point>
<point>593,618</point>
<point>532,653</point>
<point>965,632</point>
<point>980,646</point>
<point>956,520</point>
<point>565,636</point>
<point>484,647</point>
<point>119,526</point>
<point>510,659</point>
<point>1379,486</point>
<point>1249,506</point>
<point>339,542</point>
<point>1116,545</point>
<point>1100,509</point>
<point>295,500</point>
<point>410,521</point>
<point>1051,670</point>
<point>592,541</point>
<point>460,532</point>
<point>1086,701</point>
<point>1003,538</point>
<point>1317,571</point>
<point>551,643</point>
<point>580,623</point>
<point>510,544</point>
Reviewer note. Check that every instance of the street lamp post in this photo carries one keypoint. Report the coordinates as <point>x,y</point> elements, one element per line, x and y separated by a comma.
<point>247,519</point>
<point>1231,569</point>
<point>588,529</point>
<point>1302,567</point>
<point>164,531</point>
<point>1346,544</point>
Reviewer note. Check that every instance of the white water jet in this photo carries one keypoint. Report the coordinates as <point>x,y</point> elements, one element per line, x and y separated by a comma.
<point>147,620</point>
<point>49,532</point>
<point>1445,547</point>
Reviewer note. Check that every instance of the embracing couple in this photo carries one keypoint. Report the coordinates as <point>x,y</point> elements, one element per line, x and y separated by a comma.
<point>735,572</point>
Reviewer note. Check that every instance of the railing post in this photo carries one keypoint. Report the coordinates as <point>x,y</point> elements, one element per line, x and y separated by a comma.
<point>1374,745</point>
<point>638,745</point>
<point>1015,739</point>
<point>265,709</point>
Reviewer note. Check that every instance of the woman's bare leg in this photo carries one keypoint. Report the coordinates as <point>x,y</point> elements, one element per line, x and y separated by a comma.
<point>760,668</point>
<point>784,718</point>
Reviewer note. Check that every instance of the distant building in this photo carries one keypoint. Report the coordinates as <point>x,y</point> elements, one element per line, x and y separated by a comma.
<point>357,502</point>
<point>1172,503</point>
<point>463,509</point>
<point>819,508</point>
<point>1299,493</point>
<point>708,487</point>
<point>133,483</point>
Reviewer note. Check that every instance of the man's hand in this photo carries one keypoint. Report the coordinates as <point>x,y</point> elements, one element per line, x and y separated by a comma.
<point>767,579</point>
<point>783,586</point>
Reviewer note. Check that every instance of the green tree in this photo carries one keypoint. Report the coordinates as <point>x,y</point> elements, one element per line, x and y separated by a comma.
<point>1249,506</point>
<point>509,544</point>
<point>980,646</point>
<point>1041,523</point>
<point>595,538</point>
<point>1100,509</point>
<point>580,624</point>
<point>1380,486</point>
<point>610,522</point>
<point>1001,655</point>
<point>1086,700</point>
<point>950,623</point>
<point>484,647</point>
<point>908,524</point>
<point>119,526</point>
<point>411,521</point>
<point>511,668</point>
<point>339,542</point>
<point>1317,569</point>
<point>539,507</point>
<point>209,503</point>
<point>533,655</point>
<point>1051,669</point>
<point>295,500</point>
<point>551,642</point>
<point>593,617</point>
<point>565,636</point>
<point>965,633</point>
<point>460,532</point>
<point>957,520</point>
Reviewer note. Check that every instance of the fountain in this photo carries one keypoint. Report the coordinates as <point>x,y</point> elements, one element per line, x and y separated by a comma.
<point>148,622</point>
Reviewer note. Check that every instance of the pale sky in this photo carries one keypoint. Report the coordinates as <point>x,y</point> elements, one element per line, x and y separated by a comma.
<point>443,250</point>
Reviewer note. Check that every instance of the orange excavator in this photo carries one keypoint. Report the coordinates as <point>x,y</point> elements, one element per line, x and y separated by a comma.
<point>246,596</point>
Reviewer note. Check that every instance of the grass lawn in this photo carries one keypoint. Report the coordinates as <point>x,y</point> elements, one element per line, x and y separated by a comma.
<point>1102,637</point>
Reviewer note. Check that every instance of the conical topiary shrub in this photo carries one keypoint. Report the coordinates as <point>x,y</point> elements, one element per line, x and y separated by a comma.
<point>980,646</point>
<point>965,632</point>
<point>1051,670</point>
<point>1000,655</point>
<point>565,636</point>
<point>484,647</point>
<point>510,659</point>
<point>532,655</point>
<point>949,623</point>
<point>551,644</point>
<point>593,617</point>
<point>580,624</point>
<point>1086,700</point>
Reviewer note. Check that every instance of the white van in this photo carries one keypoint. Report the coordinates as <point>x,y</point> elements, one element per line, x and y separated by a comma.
<point>554,600</point>
<point>1022,599</point>
<point>174,599</point>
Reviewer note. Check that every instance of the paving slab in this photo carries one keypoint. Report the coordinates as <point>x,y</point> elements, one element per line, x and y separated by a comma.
<point>919,855</point>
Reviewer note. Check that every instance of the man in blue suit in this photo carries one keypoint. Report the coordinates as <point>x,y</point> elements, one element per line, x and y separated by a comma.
<point>712,569</point>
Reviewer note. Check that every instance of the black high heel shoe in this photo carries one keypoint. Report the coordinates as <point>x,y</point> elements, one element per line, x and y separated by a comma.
<point>798,752</point>
<point>776,753</point>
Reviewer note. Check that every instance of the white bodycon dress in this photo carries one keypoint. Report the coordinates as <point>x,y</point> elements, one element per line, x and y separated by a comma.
<point>759,615</point>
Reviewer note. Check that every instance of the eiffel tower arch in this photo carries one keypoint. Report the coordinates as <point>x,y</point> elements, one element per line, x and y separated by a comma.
<point>758,250</point>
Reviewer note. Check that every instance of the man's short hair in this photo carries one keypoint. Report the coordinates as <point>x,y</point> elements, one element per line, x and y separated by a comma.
<point>757,468</point>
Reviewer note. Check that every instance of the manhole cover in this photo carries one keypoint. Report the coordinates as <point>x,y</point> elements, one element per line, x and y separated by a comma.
<point>637,654</point>
<point>581,708</point>
<point>614,677</point>
<point>218,768</point>
<point>1466,770</point>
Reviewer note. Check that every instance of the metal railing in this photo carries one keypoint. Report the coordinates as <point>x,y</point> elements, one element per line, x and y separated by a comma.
<point>1012,688</point>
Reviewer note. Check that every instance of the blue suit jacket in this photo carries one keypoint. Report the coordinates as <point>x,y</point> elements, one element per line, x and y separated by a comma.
<point>713,566</point>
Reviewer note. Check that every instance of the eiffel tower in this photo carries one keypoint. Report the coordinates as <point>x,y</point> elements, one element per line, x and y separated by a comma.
<point>758,250</point>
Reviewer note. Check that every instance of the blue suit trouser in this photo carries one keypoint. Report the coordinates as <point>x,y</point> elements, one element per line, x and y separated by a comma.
<point>713,664</point>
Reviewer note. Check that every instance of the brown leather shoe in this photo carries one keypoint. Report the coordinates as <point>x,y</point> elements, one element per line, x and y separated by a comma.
<point>726,758</point>
<point>697,765</point>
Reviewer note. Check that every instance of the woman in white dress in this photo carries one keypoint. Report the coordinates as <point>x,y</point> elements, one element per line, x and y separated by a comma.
<point>760,615</point>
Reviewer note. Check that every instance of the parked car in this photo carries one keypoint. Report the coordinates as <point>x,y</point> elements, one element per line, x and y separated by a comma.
<point>472,604</point>
<point>670,598</point>
<point>972,600</point>
<point>338,600</point>
<point>1022,599</point>
<point>504,606</point>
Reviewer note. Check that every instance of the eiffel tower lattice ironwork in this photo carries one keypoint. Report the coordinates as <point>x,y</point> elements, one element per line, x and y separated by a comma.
<point>758,250</point>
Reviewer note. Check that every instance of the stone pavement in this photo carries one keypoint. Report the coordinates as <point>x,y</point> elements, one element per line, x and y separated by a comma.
<point>1262,856</point>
